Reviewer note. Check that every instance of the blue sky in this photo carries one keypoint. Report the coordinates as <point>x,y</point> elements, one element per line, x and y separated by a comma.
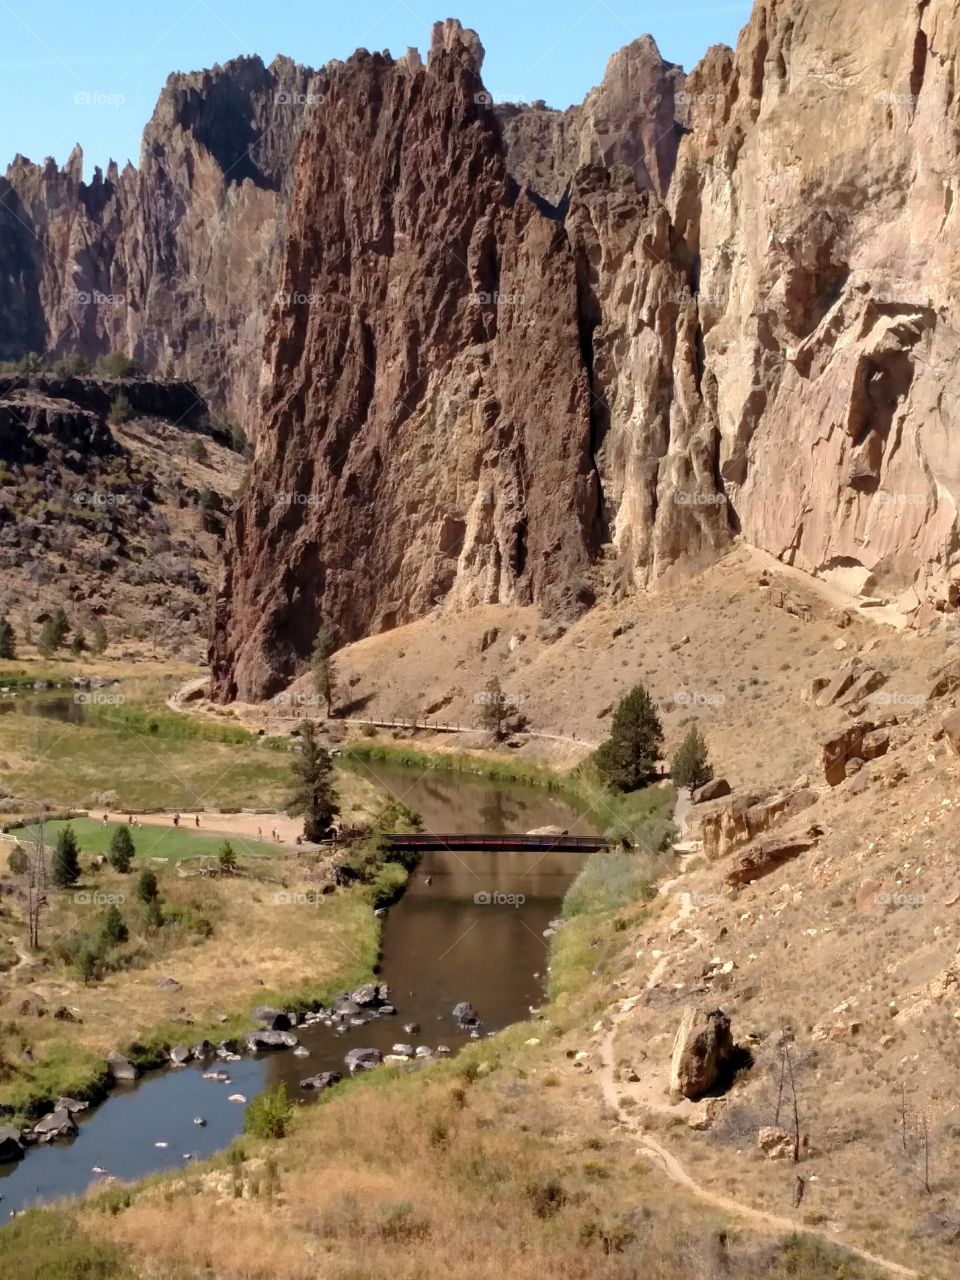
<point>119,52</point>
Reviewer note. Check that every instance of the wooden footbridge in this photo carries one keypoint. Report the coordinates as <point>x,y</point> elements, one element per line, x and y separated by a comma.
<point>423,842</point>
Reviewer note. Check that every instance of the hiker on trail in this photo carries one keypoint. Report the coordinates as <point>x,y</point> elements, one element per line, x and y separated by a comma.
<point>176,819</point>
<point>197,819</point>
<point>259,833</point>
<point>130,818</point>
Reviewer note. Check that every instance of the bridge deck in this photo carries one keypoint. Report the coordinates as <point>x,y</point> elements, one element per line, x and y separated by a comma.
<point>423,842</point>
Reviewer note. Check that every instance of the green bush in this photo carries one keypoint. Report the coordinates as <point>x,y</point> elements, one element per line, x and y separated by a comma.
<point>268,1115</point>
<point>691,765</point>
<point>66,859</point>
<point>47,1244</point>
<point>121,410</point>
<point>122,850</point>
<point>609,881</point>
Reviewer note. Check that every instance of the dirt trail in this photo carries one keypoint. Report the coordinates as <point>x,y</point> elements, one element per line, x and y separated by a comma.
<point>658,1155</point>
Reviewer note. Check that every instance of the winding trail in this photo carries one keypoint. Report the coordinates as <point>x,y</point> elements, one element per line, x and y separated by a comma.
<point>668,1163</point>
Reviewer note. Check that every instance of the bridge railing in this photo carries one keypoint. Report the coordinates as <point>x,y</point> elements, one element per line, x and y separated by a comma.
<point>514,843</point>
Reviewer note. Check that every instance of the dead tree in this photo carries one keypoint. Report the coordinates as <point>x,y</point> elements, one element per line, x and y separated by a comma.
<point>796,1106</point>
<point>36,883</point>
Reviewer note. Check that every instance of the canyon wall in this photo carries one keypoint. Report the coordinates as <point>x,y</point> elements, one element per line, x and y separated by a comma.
<point>498,353</point>
<point>173,262</point>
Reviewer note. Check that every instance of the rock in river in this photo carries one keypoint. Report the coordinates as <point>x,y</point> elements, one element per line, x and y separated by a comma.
<point>271,1019</point>
<point>121,1068</point>
<point>254,1041</point>
<point>11,1144</point>
<point>363,1059</point>
<point>325,1080</point>
<point>58,1124</point>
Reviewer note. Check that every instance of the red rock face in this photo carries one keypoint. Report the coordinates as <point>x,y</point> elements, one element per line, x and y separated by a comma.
<point>426,424</point>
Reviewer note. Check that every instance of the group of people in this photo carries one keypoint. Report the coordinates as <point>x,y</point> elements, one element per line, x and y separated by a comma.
<point>274,835</point>
<point>176,820</point>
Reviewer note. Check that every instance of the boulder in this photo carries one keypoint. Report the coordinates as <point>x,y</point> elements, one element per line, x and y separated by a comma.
<point>768,854</point>
<point>32,1008</point>
<point>951,730</point>
<point>363,1060</point>
<point>180,1055</point>
<point>834,690</point>
<point>714,790</point>
<point>271,1019</point>
<point>368,994</point>
<point>776,1143</point>
<point>325,1080</point>
<point>704,1054</point>
<point>63,1013</point>
<point>867,682</point>
<point>465,1014</point>
<point>73,1105</point>
<point>256,1041</point>
<point>57,1124</point>
<point>862,740</point>
<point>120,1067</point>
<point>167,984</point>
<point>11,1144</point>
<point>732,823</point>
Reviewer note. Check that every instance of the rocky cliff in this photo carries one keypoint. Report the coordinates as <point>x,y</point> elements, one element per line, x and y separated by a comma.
<point>173,262</point>
<point>510,354</point>
<point>759,309</point>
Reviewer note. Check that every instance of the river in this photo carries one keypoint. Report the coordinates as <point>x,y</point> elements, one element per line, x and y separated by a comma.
<point>470,926</point>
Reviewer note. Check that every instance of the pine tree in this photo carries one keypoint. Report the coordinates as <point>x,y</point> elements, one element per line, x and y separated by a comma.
<point>323,669</point>
<point>314,796</point>
<point>691,766</point>
<point>147,890</point>
<point>628,758</point>
<point>8,640</point>
<point>122,850</point>
<point>227,857</point>
<point>54,632</point>
<point>66,859</point>
<point>493,708</point>
<point>99,639</point>
<point>113,929</point>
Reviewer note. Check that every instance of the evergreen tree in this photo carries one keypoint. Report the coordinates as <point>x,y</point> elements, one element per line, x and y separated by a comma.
<point>147,890</point>
<point>99,638</point>
<point>227,857</point>
<point>323,669</point>
<point>122,850</point>
<point>493,708</point>
<point>78,644</point>
<point>691,766</point>
<point>113,929</point>
<point>8,640</point>
<point>153,916</point>
<point>66,859</point>
<point>628,758</point>
<point>55,631</point>
<point>314,796</point>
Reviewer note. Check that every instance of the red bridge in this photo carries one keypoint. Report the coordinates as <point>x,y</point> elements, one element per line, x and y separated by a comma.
<point>423,842</point>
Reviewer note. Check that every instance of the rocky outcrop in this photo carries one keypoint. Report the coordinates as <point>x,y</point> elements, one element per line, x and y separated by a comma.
<point>770,853</point>
<point>173,262</point>
<point>440,357</point>
<point>704,1054</point>
<point>863,741</point>
<point>634,118</point>
<point>729,824</point>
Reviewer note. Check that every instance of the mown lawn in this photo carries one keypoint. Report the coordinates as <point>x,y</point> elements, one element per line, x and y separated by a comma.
<point>172,843</point>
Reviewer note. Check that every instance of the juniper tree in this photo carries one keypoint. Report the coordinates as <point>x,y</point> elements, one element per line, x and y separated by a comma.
<point>628,758</point>
<point>314,796</point>
<point>66,859</point>
<point>691,766</point>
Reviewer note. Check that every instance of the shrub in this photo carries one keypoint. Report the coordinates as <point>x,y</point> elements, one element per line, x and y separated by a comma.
<point>113,929</point>
<point>54,631</point>
<point>8,640</point>
<point>610,881</point>
<point>117,365</point>
<point>120,410</point>
<point>227,857</point>
<point>147,890</point>
<point>268,1115</point>
<point>17,862</point>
